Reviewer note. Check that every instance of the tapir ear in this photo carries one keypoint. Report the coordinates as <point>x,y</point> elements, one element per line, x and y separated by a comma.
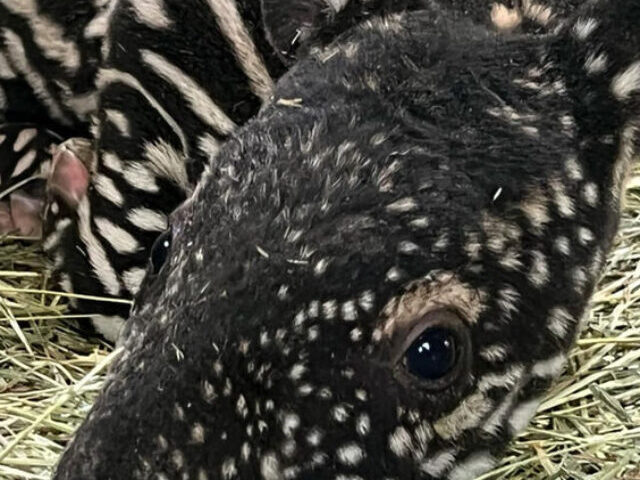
<point>289,23</point>
<point>71,170</point>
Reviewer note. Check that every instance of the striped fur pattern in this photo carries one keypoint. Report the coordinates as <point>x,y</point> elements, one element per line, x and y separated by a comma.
<point>168,97</point>
<point>162,113</point>
<point>418,173</point>
<point>25,150</point>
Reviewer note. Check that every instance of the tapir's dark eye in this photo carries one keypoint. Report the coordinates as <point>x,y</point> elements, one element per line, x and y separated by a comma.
<point>435,349</point>
<point>160,251</point>
<point>433,354</point>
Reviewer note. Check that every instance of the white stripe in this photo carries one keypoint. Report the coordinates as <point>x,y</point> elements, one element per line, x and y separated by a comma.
<point>46,34</point>
<point>133,278</point>
<point>147,219</point>
<point>118,120</point>
<point>18,57</point>
<point>167,163</point>
<point>112,162</point>
<point>53,239</point>
<point>627,82</point>
<point>23,138</point>
<point>24,163</point>
<point>151,13</point>
<point>232,26</point>
<point>108,76</point>
<point>121,240</point>
<point>474,466</point>
<point>99,26</point>
<point>107,189</point>
<point>6,72</point>
<point>337,5</point>
<point>467,415</point>
<point>140,177</point>
<point>200,102</point>
<point>108,326</point>
<point>82,105</point>
<point>103,270</point>
<point>208,145</point>
<point>551,367</point>
<point>559,322</point>
<point>522,415</point>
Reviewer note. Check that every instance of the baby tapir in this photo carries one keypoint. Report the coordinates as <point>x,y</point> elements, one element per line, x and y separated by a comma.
<point>389,264</point>
<point>125,65</point>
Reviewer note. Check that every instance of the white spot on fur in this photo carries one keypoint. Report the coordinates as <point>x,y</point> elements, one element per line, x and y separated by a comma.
<point>627,82</point>
<point>522,415</point>
<point>147,219</point>
<point>562,245</point>
<point>563,202</point>
<point>420,222</point>
<point>579,278</point>
<point>474,466</point>
<point>108,326</point>
<point>107,189</point>
<point>24,163</point>
<point>539,273</point>
<point>584,27</point>
<point>437,465</point>
<point>167,162</point>
<point>112,162</point>
<point>121,240</point>
<point>408,248</point>
<point>228,469</point>
<point>508,300</point>
<point>151,13</point>
<point>494,353</point>
<point>119,121</point>
<point>140,177</point>
<point>590,194</point>
<point>133,278</point>
<point>551,367</point>
<point>559,322</point>
<point>53,239</point>
<point>400,442</point>
<point>506,380</point>
<point>403,205</point>
<point>573,169</point>
<point>350,454</point>
<point>208,145</point>
<point>349,311</point>
<point>596,63</point>
<point>394,274</point>
<point>367,300</point>
<point>534,208</point>
<point>467,415</point>
<point>270,467</point>
<point>23,138</point>
<point>505,19</point>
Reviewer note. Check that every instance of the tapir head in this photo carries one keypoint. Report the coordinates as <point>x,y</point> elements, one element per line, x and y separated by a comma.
<point>383,272</point>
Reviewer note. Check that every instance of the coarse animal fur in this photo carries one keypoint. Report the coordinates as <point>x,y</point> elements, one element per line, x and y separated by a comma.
<point>419,172</point>
<point>163,96</point>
